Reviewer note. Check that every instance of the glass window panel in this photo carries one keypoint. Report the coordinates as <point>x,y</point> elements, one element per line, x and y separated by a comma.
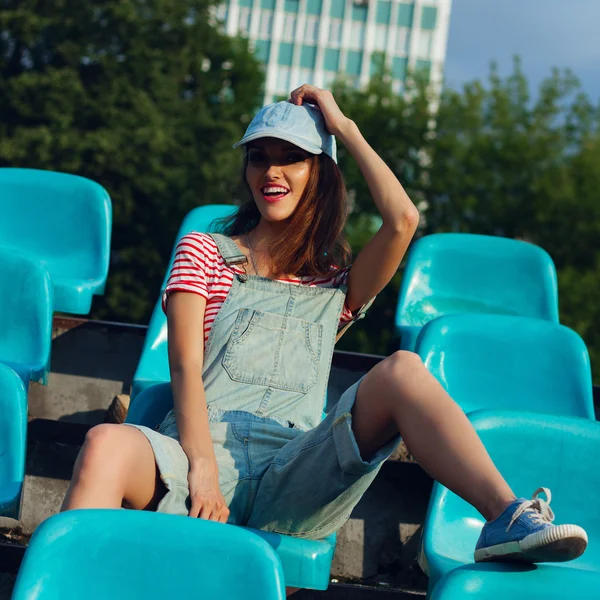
<point>313,7</point>
<point>353,62</point>
<point>311,30</point>
<point>384,10</point>
<point>266,23</point>
<point>307,57</point>
<point>261,50</point>
<point>399,68</point>
<point>359,12</point>
<point>405,14</point>
<point>286,53</point>
<point>428,17</point>
<point>291,6</point>
<point>337,8</point>
<point>425,41</point>
<point>331,59</point>
<point>423,68</point>
<point>245,3</point>
<point>282,81</point>
<point>377,62</point>
<point>267,4</point>
<point>244,20</point>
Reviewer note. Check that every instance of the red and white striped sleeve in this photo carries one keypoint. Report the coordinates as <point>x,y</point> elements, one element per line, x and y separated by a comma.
<point>188,273</point>
<point>347,315</point>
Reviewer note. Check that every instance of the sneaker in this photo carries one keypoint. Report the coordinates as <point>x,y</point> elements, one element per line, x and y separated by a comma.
<point>524,532</point>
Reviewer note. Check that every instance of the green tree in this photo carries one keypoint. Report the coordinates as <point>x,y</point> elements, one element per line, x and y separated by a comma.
<point>145,97</point>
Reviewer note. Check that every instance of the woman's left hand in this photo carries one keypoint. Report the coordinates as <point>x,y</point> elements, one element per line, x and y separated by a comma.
<point>335,120</point>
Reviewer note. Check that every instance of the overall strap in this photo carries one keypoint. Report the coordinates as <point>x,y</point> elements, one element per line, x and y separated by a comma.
<point>231,254</point>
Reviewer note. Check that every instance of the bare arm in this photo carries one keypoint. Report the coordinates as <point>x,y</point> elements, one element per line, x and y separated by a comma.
<point>185,317</point>
<point>377,262</point>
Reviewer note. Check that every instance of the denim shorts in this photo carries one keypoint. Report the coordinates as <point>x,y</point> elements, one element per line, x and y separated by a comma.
<point>274,476</point>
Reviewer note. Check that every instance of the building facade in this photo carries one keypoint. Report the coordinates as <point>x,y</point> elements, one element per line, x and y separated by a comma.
<point>313,41</point>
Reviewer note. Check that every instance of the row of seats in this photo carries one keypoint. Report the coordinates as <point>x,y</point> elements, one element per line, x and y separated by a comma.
<point>54,247</point>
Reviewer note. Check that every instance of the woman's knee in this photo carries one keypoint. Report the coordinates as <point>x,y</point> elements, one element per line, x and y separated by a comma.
<point>400,367</point>
<point>105,447</point>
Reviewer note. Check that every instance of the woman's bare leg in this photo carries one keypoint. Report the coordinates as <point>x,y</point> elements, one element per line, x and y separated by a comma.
<point>115,468</point>
<point>400,395</point>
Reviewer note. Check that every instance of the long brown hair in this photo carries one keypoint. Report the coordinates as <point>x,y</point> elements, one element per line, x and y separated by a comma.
<point>313,242</point>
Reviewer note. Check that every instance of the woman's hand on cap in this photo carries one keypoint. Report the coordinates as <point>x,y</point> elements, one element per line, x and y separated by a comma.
<point>335,120</point>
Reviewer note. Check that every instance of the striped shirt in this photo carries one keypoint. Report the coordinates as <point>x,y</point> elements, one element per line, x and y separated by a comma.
<point>199,268</point>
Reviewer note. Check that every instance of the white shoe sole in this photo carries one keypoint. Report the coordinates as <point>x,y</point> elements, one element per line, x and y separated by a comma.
<point>553,544</point>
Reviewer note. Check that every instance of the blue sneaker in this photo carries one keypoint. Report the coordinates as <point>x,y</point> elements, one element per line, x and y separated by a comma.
<point>524,532</point>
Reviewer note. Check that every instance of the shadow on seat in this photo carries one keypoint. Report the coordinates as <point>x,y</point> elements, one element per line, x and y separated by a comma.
<point>530,450</point>
<point>450,273</point>
<point>136,554</point>
<point>63,222</point>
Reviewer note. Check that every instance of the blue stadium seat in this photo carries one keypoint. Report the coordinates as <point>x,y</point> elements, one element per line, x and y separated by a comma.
<point>495,361</point>
<point>13,433</point>
<point>25,316</point>
<point>135,554</point>
<point>530,450</point>
<point>494,581</point>
<point>153,366</point>
<point>306,563</point>
<point>450,273</point>
<point>64,222</point>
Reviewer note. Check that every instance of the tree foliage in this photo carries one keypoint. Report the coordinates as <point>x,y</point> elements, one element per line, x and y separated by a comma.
<point>145,97</point>
<point>494,159</point>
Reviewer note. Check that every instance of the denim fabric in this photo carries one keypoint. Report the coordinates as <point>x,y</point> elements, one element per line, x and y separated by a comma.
<point>281,467</point>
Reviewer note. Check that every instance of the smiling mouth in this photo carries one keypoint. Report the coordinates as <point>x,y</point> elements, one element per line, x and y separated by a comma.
<point>274,193</point>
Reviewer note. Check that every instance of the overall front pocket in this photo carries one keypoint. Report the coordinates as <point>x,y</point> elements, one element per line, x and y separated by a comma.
<point>274,351</point>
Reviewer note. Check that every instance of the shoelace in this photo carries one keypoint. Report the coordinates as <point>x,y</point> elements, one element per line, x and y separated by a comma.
<point>536,509</point>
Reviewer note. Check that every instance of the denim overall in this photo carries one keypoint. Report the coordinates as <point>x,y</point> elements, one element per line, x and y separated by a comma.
<point>266,367</point>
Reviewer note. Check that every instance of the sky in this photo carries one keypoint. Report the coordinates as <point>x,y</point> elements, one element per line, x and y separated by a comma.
<point>544,33</point>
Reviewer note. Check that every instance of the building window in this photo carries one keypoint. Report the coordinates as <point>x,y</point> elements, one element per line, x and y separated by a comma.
<point>222,12</point>
<point>291,6</point>
<point>286,54</point>
<point>328,79</point>
<point>397,86</point>
<point>266,24</point>
<point>425,42</point>
<point>381,36</point>
<point>245,3</point>
<point>289,26</point>
<point>311,30</point>
<point>267,4</point>
<point>244,20</point>
<point>308,55</point>
<point>399,68</point>
<point>423,68</point>
<point>353,62</point>
<point>384,10</point>
<point>359,12</point>
<point>262,49</point>
<point>331,60</point>
<point>357,35</point>
<point>405,14</point>
<point>377,63</point>
<point>313,7</point>
<point>402,41</point>
<point>335,32</point>
<point>337,8</point>
<point>305,76</point>
<point>282,80</point>
<point>428,17</point>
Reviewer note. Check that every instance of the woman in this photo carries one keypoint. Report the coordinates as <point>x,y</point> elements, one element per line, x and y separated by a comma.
<point>253,319</point>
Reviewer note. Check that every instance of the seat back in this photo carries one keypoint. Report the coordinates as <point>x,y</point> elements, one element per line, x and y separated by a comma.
<point>25,315</point>
<point>452,273</point>
<point>153,366</point>
<point>13,432</point>
<point>64,222</point>
<point>495,361</point>
<point>138,554</point>
<point>530,450</point>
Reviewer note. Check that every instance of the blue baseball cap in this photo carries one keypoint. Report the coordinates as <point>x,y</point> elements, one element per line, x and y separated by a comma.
<point>303,126</point>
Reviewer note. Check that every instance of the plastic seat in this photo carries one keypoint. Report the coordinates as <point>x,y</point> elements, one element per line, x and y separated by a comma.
<point>306,563</point>
<point>495,361</point>
<point>153,366</point>
<point>64,222</point>
<point>25,316</point>
<point>13,434</point>
<point>530,450</point>
<point>536,582</point>
<point>450,273</point>
<point>130,555</point>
